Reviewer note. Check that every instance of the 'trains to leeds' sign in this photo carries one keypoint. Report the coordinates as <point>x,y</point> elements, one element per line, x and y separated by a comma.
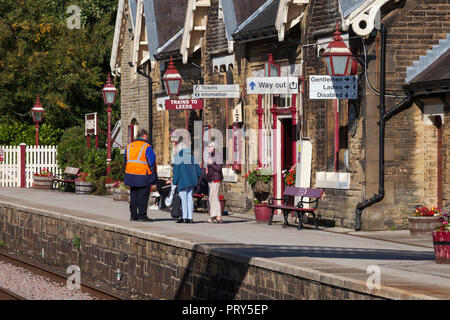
<point>333,87</point>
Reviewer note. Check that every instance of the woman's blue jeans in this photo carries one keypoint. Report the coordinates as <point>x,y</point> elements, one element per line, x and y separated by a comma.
<point>187,202</point>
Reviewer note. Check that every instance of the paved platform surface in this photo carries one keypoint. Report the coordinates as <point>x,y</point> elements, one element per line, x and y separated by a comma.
<point>337,256</point>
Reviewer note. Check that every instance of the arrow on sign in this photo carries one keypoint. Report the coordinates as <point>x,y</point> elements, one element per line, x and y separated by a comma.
<point>252,85</point>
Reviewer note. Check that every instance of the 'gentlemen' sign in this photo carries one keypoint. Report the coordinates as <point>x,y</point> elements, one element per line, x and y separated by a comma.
<point>184,104</point>
<point>333,87</point>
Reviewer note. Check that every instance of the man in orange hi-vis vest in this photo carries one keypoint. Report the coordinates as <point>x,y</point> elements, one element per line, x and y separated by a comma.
<point>140,174</point>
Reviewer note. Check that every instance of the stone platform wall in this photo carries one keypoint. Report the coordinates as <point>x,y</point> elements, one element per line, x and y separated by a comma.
<point>153,266</point>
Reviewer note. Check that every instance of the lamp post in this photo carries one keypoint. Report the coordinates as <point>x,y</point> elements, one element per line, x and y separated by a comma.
<point>172,84</point>
<point>172,79</point>
<point>271,69</point>
<point>339,62</point>
<point>38,114</point>
<point>109,97</point>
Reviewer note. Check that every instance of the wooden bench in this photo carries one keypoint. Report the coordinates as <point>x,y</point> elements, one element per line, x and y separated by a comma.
<point>67,180</point>
<point>198,197</point>
<point>288,206</point>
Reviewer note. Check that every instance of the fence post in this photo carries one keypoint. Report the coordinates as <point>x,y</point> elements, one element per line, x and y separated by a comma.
<point>23,177</point>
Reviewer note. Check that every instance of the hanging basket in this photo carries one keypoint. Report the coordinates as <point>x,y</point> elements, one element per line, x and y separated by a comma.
<point>261,190</point>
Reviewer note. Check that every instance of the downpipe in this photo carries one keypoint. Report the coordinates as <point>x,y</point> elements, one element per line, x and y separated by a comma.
<point>382,124</point>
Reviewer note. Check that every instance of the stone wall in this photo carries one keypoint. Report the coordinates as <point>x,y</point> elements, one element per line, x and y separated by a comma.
<point>410,175</point>
<point>151,266</point>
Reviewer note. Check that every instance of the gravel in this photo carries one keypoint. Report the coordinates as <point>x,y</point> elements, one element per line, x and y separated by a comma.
<point>35,287</point>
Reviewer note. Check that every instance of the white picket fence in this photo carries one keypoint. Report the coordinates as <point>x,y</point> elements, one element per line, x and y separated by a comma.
<point>36,159</point>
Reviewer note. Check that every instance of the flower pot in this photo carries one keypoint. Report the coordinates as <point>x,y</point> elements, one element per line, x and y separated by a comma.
<point>262,213</point>
<point>441,241</point>
<point>121,194</point>
<point>423,225</point>
<point>84,187</point>
<point>222,205</point>
<point>42,182</point>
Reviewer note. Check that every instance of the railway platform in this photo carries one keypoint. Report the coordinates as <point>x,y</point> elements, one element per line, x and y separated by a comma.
<point>377,265</point>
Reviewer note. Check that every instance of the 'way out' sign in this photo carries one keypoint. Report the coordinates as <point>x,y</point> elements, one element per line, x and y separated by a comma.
<point>272,85</point>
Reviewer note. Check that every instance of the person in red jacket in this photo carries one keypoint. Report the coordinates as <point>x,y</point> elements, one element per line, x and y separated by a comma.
<point>140,174</point>
<point>214,176</point>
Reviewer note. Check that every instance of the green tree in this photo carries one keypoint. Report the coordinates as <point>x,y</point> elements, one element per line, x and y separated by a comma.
<point>39,54</point>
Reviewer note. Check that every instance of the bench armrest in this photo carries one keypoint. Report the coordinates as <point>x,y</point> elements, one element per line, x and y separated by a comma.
<point>270,201</point>
<point>301,202</point>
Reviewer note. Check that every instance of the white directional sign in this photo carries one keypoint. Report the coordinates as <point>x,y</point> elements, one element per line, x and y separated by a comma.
<point>333,87</point>
<point>216,91</point>
<point>272,85</point>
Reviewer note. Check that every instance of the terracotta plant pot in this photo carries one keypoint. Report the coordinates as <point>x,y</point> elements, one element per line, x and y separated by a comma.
<point>441,241</point>
<point>262,213</point>
<point>222,205</point>
<point>42,182</point>
<point>423,225</point>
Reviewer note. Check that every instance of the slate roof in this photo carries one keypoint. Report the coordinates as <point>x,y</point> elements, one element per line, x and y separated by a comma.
<point>348,6</point>
<point>261,24</point>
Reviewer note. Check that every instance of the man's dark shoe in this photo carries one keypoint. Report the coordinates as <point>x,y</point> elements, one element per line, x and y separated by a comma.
<point>145,219</point>
<point>188,221</point>
<point>180,220</point>
<point>133,219</point>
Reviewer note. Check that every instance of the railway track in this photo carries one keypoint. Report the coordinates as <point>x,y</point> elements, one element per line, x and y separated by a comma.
<point>45,271</point>
<point>5,294</point>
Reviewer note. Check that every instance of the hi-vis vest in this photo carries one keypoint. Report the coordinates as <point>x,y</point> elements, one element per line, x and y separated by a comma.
<point>136,160</point>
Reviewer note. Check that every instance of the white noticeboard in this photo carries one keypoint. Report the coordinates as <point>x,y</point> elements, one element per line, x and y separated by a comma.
<point>216,91</point>
<point>304,158</point>
<point>272,85</point>
<point>333,87</point>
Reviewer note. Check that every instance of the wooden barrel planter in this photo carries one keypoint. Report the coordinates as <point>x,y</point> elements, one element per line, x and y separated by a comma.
<point>262,213</point>
<point>423,225</point>
<point>109,188</point>
<point>42,182</point>
<point>121,194</point>
<point>441,241</point>
<point>84,187</point>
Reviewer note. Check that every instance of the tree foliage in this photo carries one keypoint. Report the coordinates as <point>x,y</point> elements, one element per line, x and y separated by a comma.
<point>39,54</point>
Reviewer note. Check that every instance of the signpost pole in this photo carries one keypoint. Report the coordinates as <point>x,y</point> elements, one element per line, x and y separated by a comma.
<point>336,134</point>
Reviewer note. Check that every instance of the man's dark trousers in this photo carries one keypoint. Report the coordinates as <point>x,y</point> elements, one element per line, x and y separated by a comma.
<point>139,202</point>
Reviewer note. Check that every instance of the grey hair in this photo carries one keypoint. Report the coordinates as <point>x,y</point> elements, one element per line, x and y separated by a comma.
<point>211,144</point>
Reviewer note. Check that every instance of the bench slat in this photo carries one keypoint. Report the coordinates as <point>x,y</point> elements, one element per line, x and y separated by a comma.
<point>303,192</point>
<point>71,170</point>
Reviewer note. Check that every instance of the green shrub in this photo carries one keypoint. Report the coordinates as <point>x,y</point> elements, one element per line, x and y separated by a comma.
<point>15,133</point>
<point>72,148</point>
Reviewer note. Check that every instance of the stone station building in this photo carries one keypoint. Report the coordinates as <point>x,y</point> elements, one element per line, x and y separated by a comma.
<point>227,41</point>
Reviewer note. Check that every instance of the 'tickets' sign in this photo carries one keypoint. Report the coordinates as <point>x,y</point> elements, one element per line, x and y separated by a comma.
<point>186,104</point>
<point>1,155</point>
